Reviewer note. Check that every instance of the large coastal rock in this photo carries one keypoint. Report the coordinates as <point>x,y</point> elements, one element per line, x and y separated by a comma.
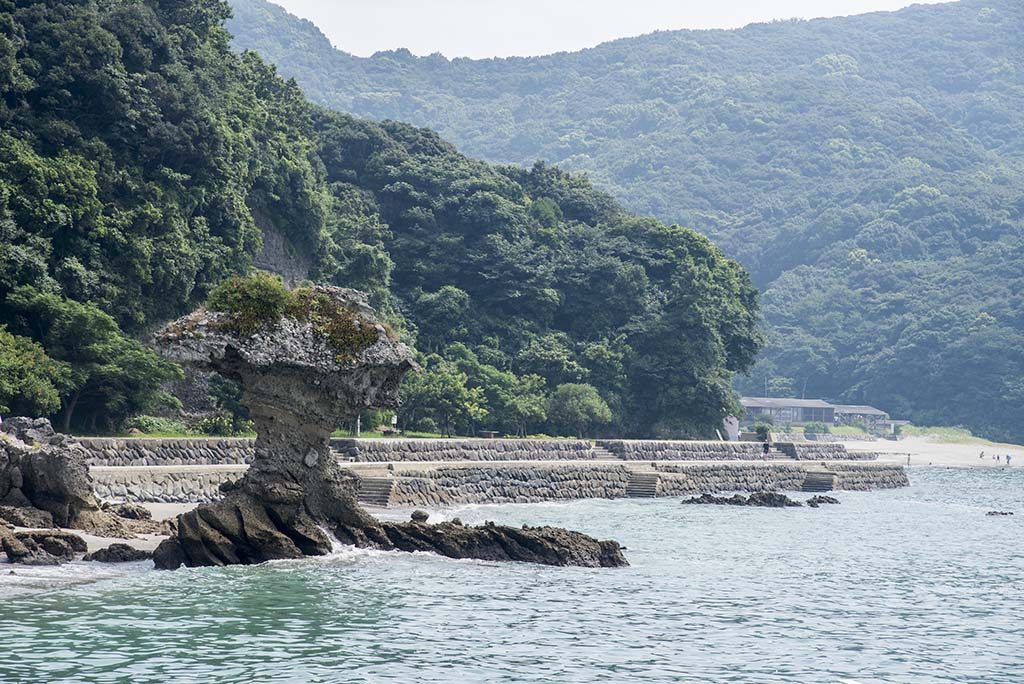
<point>45,482</point>
<point>302,375</point>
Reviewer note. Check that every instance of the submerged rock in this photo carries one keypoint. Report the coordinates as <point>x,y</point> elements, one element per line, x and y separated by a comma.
<point>763,499</point>
<point>118,553</point>
<point>816,501</point>
<point>994,513</point>
<point>301,376</point>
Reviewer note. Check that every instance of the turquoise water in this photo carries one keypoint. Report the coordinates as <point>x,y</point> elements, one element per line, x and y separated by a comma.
<point>909,586</point>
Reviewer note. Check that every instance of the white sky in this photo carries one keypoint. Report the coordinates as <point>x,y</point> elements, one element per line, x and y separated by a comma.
<point>500,28</point>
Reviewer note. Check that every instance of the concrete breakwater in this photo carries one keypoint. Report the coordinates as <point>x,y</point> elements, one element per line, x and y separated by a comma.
<point>511,482</point>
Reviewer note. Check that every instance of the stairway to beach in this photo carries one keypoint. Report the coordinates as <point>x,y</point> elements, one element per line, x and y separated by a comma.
<point>819,482</point>
<point>642,485</point>
<point>375,491</point>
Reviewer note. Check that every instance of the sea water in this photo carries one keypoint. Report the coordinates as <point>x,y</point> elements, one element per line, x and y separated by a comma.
<point>915,585</point>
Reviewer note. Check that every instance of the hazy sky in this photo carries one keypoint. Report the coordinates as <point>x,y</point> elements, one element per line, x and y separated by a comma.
<point>499,28</point>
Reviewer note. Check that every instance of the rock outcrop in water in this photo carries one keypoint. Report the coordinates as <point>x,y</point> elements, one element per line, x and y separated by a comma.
<point>301,375</point>
<point>763,499</point>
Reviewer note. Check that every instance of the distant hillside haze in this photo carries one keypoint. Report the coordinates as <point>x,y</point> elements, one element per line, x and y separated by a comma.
<point>868,170</point>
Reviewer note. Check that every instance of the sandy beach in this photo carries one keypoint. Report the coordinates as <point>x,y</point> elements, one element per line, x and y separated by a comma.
<point>924,452</point>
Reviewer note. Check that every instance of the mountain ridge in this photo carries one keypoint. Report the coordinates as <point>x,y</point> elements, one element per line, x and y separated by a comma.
<point>839,155</point>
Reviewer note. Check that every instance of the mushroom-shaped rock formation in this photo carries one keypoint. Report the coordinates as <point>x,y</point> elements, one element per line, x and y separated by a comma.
<point>306,360</point>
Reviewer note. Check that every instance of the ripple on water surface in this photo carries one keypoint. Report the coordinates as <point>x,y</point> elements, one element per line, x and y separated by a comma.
<point>914,585</point>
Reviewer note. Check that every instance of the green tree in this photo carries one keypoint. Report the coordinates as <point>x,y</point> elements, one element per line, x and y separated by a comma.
<point>439,391</point>
<point>576,409</point>
<point>30,381</point>
<point>109,376</point>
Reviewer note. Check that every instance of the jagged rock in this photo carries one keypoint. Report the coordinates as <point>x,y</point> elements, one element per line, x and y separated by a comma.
<point>40,469</point>
<point>118,553</point>
<point>26,517</point>
<point>48,547</point>
<point>816,501</point>
<point>420,516</point>
<point>994,513</point>
<point>129,511</point>
<point>764,499</point>
<point>298,384</point>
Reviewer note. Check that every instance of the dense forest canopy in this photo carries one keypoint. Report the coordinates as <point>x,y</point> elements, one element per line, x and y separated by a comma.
<point>142,162</point>
<point>868,170</point>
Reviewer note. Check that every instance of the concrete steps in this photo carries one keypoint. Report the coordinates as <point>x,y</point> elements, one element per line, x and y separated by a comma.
<point>375,491</point>
<point>601,453</point>
<point>642,485</point>
<point>819,482</point>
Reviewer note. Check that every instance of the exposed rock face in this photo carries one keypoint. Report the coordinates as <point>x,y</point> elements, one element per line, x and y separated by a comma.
<point>44,480</point>
<point>764,499</point>
<point>118,553</point>
<point>298,387</point>
<point>41,547</point>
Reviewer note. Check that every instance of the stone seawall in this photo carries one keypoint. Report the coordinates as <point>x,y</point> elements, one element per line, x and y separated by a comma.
<point>380,450</point>
<point>688,480</point>
<point>113,452</point>
<point>510,484</point>
<point>516,483</point>
<point>162,484</point>
<point>666,450</point>
<point>855,476</point>
<point>822,451</point>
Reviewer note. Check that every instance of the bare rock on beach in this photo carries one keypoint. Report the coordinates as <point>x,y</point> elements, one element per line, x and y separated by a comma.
<point>301,375</point>
<point>42,547</point>
<point>45,482</point>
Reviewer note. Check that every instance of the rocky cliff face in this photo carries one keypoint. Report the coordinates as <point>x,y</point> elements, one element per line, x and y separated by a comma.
<point>298,385</point>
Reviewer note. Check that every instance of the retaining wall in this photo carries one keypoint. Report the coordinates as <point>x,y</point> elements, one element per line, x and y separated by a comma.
<point>112,452</point>
<point>688,480</point>
<point>511,484</point>
<point>856,476</point>
<point>162,484</point>
<point>666,450</point>
<point>379,450</point>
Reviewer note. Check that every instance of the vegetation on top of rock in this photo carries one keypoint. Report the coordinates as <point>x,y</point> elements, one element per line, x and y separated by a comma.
<point>868,170</point>
<point>262,298</point>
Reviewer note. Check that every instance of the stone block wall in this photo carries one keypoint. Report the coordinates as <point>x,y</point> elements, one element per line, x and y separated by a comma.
<point>822,451</point>
<point>113,452</point>
<point>378,450</point>
<point>857,476</point>
<point>161,485</point>
<point>510,484</point>
<point>690,480</point>
<point>670,450</point>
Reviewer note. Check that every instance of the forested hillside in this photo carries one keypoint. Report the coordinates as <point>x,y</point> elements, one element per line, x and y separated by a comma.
<point>868,170</point>
<point>142,163</point>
